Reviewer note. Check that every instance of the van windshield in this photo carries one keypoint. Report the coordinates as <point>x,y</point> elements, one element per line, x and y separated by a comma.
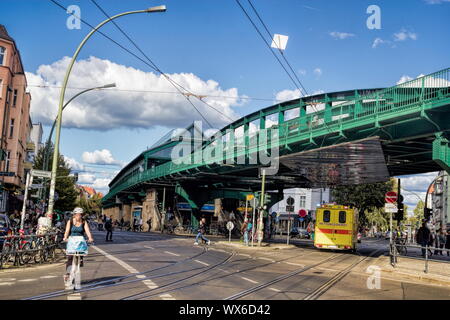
<point>3,222</point>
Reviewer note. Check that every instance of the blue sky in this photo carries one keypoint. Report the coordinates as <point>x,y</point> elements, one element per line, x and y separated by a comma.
<point>214,40</point>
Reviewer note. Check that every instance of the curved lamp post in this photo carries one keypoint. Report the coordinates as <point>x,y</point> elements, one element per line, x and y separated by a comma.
<point>46,155</point>
<point>51,200</point>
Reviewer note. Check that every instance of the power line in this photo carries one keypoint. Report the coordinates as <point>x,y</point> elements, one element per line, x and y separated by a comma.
<point>148,64</point>
<point>279,49</point>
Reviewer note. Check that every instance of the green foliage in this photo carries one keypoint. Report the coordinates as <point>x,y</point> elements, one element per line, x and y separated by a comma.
<point>418,216</point>
<point>92,205</point>
<point>368,198</point>
<point>65,186</point>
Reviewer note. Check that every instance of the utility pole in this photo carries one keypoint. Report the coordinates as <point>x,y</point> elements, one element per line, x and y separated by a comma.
<point>261,206</point>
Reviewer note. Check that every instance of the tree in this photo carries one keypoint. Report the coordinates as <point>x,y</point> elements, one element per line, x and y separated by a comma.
<point>92,205</point>
<point>366,197</point>
<point>65,185</point>
<point>418,215</point>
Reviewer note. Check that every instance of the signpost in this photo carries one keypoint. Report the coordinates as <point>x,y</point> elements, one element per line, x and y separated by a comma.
<point>391,207</point>
<point>230,226</point>
<point>41,173</point>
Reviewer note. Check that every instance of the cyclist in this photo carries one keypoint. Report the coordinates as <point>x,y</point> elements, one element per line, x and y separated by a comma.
<point>76,226</point>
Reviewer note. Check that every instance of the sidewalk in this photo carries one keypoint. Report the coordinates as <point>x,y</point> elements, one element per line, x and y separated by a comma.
<point>413,269</point>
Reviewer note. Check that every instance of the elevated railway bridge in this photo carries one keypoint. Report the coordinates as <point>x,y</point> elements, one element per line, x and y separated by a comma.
<point>339,138</point>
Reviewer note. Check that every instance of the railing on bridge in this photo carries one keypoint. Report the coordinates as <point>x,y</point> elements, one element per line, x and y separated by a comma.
<point>411,96</point>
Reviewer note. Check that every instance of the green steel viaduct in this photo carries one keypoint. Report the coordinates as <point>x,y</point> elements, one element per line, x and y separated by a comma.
<point>348,137</point>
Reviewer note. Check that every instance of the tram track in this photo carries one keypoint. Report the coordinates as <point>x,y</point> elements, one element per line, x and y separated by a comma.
<point>210,279</point>
<point>115,281</point>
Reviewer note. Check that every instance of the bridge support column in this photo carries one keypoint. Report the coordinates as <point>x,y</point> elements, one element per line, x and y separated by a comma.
<point>441,151</point>
<point>126,212</point>
<point>149,211</point>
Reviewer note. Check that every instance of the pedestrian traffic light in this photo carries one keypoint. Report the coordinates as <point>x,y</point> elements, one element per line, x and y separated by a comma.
<point>427,213</point>
<point>400,215</point>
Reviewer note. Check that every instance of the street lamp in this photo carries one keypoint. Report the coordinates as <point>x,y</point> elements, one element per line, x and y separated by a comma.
<point>46,155</point>
<point>51,200</point>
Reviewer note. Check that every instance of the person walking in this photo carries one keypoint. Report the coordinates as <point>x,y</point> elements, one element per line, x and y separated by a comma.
<point>447,241</point>
<point>440,242</point>
<point>141,225</point>
<point>201,232</point>
<point>76,226</point>
<point>109,227</point>
<point>424,238</point>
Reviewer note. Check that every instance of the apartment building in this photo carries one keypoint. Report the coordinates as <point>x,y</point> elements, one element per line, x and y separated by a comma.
<point>15,124</point>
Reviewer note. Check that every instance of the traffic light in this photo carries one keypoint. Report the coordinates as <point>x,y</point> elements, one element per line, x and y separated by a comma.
<point>267,198</point>
<point>427,213</point>
<point>400,215</point>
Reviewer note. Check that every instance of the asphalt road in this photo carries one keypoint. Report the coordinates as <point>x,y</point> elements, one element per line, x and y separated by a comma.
<point>162,267</point>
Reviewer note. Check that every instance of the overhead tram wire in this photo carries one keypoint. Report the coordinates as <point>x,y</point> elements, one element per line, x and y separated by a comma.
<point>175,84</point>
<point>279,61</point>
<point>134,55</point>
<point>279,49</point>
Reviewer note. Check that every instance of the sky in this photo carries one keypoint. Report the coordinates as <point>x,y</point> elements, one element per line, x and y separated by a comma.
<point>212,49</point>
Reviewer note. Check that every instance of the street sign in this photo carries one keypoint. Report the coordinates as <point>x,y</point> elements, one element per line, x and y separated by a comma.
<point>391,197</point>
<point>37,186</point>
<point>230,225</point>
<point>41,173</point>
<point>390,208</point>
<point>290,201</point>
<point>302,213</point>
<point>7,174</point>
<point>290,208</point>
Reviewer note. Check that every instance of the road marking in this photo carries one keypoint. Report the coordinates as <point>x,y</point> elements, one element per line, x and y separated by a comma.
<point>245,255</point>
<point>148,247</point>
<point>174,254</point>
<point>294,264</point>
<point>150,284</point>
<point>74,296</point>
<point>249,280</point>
<point>224,270</point>
<point>27,280</point>
<point>274,289</point>
<point>167,296</point>
<point>263,258</point>
<point>8,279</point>
<point>204,263</point>
<point>6,283</point>
<point>220,250</point>
<point>48,277</point>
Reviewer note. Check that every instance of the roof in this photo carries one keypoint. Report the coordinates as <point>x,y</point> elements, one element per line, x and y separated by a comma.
<point>4,34</point>
<point>88,190</point>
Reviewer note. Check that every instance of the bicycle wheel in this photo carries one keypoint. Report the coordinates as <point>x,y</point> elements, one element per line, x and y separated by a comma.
<point>26,255</point>
<point>5,254</point>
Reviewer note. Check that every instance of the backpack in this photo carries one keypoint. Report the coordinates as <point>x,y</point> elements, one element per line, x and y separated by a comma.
<point>108,224</point>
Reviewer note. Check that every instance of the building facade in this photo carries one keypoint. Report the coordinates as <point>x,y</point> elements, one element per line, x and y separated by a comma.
<point>441,201</point>
<point>15,124</point>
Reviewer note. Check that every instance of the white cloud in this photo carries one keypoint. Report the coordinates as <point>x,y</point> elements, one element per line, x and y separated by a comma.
<point>101,184</point>
<point>404,35</point>
<point>404,79</point>
<point>378,41</point>
<point>302,72</point>
<point>341,35</point>
<point>419,182</point>
<point>102,157</point>
<point>74,164</point>
<point>286,95</point>
<point>86,178</point>
<point>318,72</point>
<point>120,107</point>
<point>436,1</point>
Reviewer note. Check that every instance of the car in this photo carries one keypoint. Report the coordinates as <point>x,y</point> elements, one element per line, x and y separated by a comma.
<point>387,236</point>
<point>300,233</point>
<point>359,236</point>
<point>5,227</point>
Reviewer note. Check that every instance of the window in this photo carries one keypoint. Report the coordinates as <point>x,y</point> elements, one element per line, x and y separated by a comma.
<point>2,56</point>
<point>8,153</point>
<point>15,97</point>
<point>326,216</point>
<point>342,216</point>
<point>302,201</point>
<point>1,87</point>
<point>11,128</point>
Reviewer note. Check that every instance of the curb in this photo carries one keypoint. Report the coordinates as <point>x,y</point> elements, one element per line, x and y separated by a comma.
<point>425,277</point>
<point>264,246</point>
<point>31,267</point>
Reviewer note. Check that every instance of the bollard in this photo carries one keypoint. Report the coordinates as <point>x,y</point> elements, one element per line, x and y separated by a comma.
<point>426,259</point>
